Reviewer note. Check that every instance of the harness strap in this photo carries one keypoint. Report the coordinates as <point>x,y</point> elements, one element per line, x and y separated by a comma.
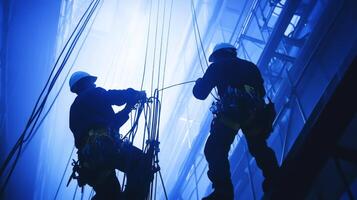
<point>229,122</point>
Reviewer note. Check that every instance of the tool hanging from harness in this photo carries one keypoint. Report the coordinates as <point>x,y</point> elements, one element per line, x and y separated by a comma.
<point>243,107</point>
<point>79,173</point>
<point>94,164</point>
<point>96,158</point>
<point>100,153</point>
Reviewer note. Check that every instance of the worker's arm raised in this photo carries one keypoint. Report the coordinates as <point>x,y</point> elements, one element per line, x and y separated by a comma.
<point>204,85</point>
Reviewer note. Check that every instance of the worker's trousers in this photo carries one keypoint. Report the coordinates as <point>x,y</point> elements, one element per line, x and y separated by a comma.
<point>216,152</point>
<point>102,155</point>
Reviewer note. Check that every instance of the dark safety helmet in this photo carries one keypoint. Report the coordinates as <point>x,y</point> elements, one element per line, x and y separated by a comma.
<point>77,76</point>
<point>220,47</point>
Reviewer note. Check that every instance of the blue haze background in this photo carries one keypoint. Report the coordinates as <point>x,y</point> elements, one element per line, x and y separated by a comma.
<point>299,55</point>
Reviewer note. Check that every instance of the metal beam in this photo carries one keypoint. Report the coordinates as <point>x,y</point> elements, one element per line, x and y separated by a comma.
<point>283,57</point>
<point>252,39</point>
<point>278,32</point>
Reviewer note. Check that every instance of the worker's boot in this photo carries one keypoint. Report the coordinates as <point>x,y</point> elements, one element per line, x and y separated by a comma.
<point>269,181</point>
<point>222,191</point>
<point>219,195</point>
<point>266,185</point>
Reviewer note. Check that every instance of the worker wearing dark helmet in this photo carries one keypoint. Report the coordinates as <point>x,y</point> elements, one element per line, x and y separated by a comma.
<point>240,105</point>
<point>95,127</point>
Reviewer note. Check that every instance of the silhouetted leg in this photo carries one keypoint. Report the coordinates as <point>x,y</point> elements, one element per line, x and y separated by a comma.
<point>97,158</point>
<point>216,153</point>
<point>108,188</point>
<point>264,156</point>
<point>138,168</point>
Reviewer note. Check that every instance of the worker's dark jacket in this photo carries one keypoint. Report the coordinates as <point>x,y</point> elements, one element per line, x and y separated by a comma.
<point>253,116</point>
<point>232,72</point>
<point>92,109</point>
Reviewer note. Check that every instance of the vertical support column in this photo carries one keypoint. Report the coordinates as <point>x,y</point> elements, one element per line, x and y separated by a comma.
<point>278,32</point>
<point>4,13</point>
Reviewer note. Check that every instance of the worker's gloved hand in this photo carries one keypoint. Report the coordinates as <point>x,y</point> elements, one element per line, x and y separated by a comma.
<point>198,81</point>
<point>142,96</point>
<point>136,96</point>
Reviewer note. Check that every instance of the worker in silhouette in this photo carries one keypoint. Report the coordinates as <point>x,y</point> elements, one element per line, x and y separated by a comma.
<point>95,127</point>
<point>241,105</point>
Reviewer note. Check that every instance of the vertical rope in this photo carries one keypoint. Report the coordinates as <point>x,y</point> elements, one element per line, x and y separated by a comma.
<point>161,42</point>
<point>147,47</point>
<point>155,43</point>
<point>64,173</point>
<point>166,52</point>
<point>50,83</point>
<point>198,32</point>
<point>75,193</point>
<point>195,26</point>
<point>196,42</point>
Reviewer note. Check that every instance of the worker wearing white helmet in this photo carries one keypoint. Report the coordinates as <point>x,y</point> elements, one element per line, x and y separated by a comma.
<point>95,127</point>
<point>220,50</point>
<point>240,106</point>
<point>77,76</point>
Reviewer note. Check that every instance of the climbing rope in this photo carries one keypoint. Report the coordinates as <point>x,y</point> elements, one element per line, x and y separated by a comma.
<point>147,47</point>
<point>64,173</point>
<point>151,109</point>
<point>199,43</point>
<point>38,108</point>
<point>166,52</point>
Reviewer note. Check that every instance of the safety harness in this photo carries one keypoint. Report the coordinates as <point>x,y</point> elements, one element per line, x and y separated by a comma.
<point>241,106</point>
<point>84,170</point>
<point>87,171</point>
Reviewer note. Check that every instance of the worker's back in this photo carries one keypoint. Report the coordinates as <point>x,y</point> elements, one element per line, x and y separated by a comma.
<point>232,72</point>
<point>90,109</point>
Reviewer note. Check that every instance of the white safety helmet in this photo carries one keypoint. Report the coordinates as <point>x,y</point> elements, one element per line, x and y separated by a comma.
<point>77,76</point>
<point>220,46</point>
